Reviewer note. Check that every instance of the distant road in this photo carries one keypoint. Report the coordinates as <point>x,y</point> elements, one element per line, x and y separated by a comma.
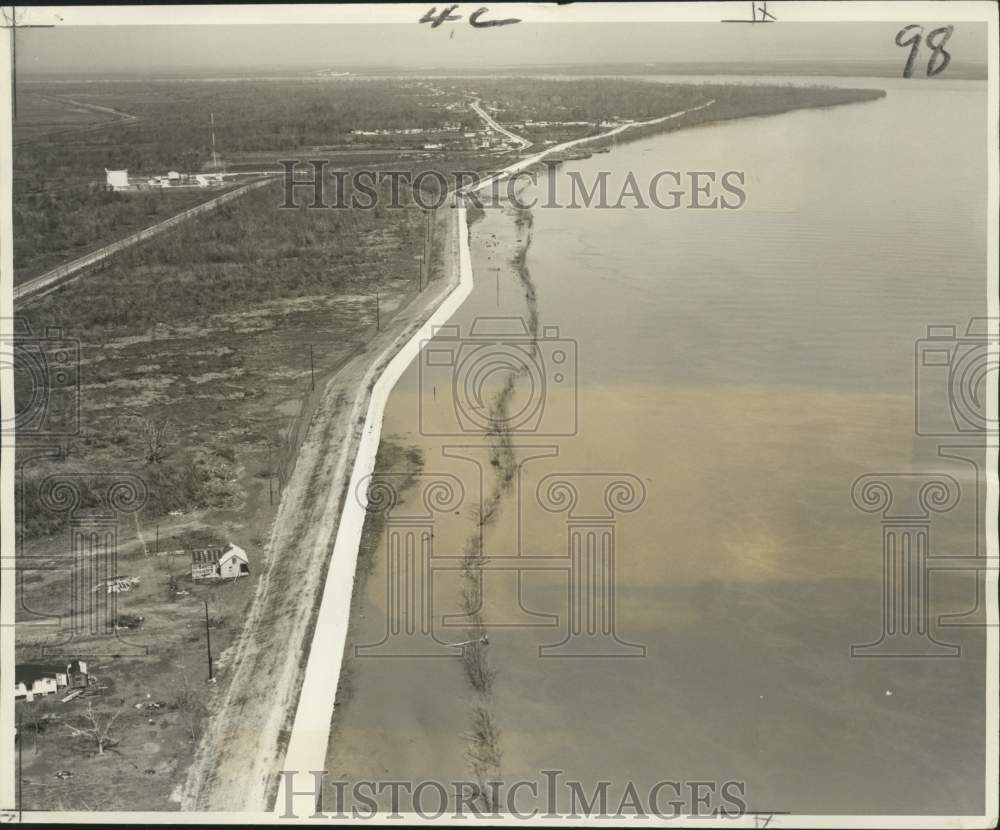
<point>115,117</point>
<point>525,144</point>
<point>68,272</point>
<point>526,162</point>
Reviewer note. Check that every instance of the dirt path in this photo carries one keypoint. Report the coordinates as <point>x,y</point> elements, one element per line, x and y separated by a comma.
<point>243,748</point>
<point>112,117</point>
<point>528,161</point>
<point>490,122</point>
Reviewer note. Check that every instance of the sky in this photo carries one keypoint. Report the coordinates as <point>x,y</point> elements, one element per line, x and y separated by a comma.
<point>140,49</point>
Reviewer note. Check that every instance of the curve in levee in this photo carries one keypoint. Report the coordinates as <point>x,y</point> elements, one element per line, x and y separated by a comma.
<point>309,739</point>
<point>491,122</point>
<point>537,157</point>
<point>62,274</point>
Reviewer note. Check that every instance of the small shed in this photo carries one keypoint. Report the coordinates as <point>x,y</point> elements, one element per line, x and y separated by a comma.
<point>76,675</point>
<point>225,562</point>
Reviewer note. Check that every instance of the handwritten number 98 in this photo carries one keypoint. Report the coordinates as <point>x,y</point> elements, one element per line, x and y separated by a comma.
<point>936,40</point>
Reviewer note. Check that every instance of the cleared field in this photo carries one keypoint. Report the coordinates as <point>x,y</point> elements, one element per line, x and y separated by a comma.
<point>39,115</point>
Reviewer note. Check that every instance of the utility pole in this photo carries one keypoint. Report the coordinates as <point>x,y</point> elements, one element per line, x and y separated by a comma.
<point>378,324</point>
<point>312,368</point>
<point>215,157</point>
<point>428,240</point>
<point>208,645</point>
<point>157,548</point>
<point>20,763</point>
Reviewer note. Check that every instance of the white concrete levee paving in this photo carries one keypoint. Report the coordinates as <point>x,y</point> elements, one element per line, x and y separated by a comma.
<point>308,744</point>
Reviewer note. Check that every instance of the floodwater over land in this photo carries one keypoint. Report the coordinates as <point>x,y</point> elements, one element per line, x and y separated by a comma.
<point>671,567</point>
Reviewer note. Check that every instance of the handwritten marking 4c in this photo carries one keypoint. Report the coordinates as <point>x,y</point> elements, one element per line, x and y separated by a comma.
<point>436,18</point>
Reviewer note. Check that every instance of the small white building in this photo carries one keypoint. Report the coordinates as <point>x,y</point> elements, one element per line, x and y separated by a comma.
<point>32,680</point>
<point>117,179</point>
<point>174,176</point>
<point>228,562</point>
<point>208,179</point>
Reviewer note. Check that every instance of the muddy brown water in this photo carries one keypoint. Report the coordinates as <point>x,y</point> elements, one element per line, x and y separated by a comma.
<point>735,373</point>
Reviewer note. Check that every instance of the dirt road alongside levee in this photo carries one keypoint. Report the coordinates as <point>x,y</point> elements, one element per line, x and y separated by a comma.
<point>242,750</point>
<point>491,122</point>
<point>308,745</point>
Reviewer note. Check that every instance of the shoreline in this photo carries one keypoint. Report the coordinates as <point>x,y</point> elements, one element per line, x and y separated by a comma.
<point>309,741</point>
<point>530,161</point>
<point>308,744</point>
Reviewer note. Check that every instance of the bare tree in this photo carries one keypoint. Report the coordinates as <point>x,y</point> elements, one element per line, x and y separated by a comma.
<point>96,727</point>
<point>156,434</point>
<point>38,718</point>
